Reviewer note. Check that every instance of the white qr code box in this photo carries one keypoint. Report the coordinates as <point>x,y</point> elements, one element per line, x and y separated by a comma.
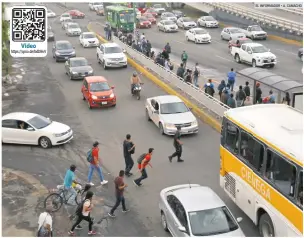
<point>28,31</point>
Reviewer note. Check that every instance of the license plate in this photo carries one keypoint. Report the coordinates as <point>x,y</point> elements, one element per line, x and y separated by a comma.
<point>104,103</point>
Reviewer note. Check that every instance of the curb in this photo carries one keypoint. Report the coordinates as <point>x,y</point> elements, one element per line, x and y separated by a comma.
<point>202,115</point>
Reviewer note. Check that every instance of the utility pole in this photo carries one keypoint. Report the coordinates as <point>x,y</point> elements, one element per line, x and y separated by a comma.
<point>134,13</point>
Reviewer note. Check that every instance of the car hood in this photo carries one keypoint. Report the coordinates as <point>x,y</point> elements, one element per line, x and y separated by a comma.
<point>102,94</point>
<point>258,32</point>
<point>91,39</point>
<point>173,25</point>
<point>74,29</point>
<point>202,36</point>
<point>82,69</point>
<point>178,118</point>
<point>238,35</point>
<point>236,233</point>
<point>265,55</point>
<point>145,22</point>
<point>160,9</point>
<point>65,51</point>
<point>114,56</point>
<point>189,23</point>
<point>56,127</point>
<point>212,22</point>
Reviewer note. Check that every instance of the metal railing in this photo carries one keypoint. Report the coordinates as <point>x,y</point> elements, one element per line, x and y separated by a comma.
<point>259,16</point>
<point>298,11</point>
<point>208,102</point>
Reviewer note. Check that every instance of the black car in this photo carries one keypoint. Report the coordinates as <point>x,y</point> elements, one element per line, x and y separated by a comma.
<point>63,50</point>
<point>178,14</point>
<point>50,35</point>
<point>300,53</point>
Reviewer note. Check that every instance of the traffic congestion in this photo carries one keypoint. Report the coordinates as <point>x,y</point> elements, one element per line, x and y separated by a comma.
<point>138,132</point>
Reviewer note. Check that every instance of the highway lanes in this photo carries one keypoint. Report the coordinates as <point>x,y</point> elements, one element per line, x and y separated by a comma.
<point>109,126</point>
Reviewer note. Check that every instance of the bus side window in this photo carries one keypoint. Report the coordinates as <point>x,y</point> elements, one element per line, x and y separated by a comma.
<point>300,190</point>
<point>252,151</point>
<point>281,173</point>
<point>232,136</point>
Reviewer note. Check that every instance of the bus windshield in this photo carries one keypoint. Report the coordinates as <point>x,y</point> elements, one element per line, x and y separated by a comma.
<point>126,17</point>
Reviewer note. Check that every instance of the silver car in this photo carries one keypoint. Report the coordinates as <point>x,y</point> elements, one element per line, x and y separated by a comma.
<point>230,33</point>
<point>168,16</point>
<point>65,22</point>
<point>78,68</point>
<point>73,29</point>
<point>191,210</point>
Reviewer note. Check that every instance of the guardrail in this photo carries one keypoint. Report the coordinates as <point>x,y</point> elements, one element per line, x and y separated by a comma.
<point>209,103</point>
<point>259,16</point>
<point>298,11</point>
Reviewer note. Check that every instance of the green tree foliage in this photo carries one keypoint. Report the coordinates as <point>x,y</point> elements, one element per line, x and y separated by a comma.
<point>5,42</point>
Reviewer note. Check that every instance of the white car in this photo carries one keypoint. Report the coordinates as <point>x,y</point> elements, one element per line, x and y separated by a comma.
<point>185,23</point>
<point>168,112</point>
<point>167,26</point>
<point>88,39</point>
<point>158,8</point>
<point>50,13</point>
<point>65,16</point>
<point>73,29</point>
<point>111,55</point>
<point>168,16</point>
<point>198,35</point>
<point>192,210</point>
<point>94,5</point>
<point>65,22</point>
<point>33,129</point>
<point>207,21</point>
<point>230,33</point>
<point>138,13</point>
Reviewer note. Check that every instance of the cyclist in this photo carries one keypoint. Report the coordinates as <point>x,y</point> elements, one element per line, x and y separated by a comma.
<point>69,179</point>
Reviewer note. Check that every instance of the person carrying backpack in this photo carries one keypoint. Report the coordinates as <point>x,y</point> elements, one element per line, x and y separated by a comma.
<point>196,73</point>
<point>83,212</point>
<point>247,89</point>
<point>240,97</point>
<point>45,223</point>
<point>93,159</point>
<point>142,162</point>
<point>180,71</point>
<point>209,90</point>
<point>221,87</point>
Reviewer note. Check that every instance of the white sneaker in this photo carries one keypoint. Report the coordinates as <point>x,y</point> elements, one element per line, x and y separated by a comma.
<point>92,184</point>
<point>104,182</point>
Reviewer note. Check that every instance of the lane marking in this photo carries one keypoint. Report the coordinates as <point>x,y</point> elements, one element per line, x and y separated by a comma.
<point>287,52</point>
<point>220,57</point>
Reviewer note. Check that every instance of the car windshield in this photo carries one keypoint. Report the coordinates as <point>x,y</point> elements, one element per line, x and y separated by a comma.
<point>149,15</point>
<point>143,19</point>
<point>209,19</point>
<point>233,31</point>
<point>173,108</point>
<point>39,122</point>
<point>169,23</point>
<point>64,46</point>
<point>256,28</point>
<point>88,36</point>
<point>212,222</point>
<point>187,20</point>
<point>74,26</point>
<point>79,62</point>
<point>113,50</point>
<point>259,49</point>
<point>66,15</point>
<point>126,17</point>
<point>97,3</point>
<point>169,15</point>
<point>99,87</point>
<point>157,6</point>
<point>200,32</point>
<point>245,41</point>
<point>178,12</point>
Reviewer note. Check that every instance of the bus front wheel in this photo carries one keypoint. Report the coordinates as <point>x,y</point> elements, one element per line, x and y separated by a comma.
<point>266,228</point>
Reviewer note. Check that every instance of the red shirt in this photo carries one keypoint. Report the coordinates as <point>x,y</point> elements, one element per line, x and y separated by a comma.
<point>95,152</point>
<point>147,160</point>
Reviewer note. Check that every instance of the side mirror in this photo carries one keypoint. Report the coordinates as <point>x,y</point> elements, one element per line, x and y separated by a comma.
<point>182,229</point>
<point>30,129</point>
<point>249,52</point>
<point>239,219</point>
<point>112,87</point>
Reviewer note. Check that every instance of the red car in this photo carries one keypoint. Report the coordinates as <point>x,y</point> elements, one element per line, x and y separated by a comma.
<point>97,92</point>
<point>150,17</point>
<point>143,22</point>
<point>152,11</point>
<point>76,14</point>
<point>238,42</point>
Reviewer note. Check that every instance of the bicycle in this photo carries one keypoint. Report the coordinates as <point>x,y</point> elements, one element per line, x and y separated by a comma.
<point>57,199</point>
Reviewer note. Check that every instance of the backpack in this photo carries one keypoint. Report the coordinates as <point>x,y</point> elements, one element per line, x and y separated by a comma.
<point>209,90</point>
<point>89,156</point>
<point>141,158</point>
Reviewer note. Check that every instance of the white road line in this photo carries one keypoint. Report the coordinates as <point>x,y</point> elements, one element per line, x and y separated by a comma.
<point>180,42</point>
<point>224,58</point>
<point>286,52</point>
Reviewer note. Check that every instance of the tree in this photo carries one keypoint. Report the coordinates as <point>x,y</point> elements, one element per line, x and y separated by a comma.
<point>5,42</point>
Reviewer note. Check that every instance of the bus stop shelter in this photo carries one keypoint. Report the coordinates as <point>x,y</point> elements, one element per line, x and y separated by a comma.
<point>277,82</point>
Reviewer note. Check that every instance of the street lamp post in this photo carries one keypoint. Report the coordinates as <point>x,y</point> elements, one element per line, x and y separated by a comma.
<point>134,13</point>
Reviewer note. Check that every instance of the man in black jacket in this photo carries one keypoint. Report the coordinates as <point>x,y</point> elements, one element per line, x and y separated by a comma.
<point>128,149</point>
<point>180,71</point>
<point>177,145</point>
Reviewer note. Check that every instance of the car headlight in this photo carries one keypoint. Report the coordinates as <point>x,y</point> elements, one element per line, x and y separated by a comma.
<point>91,71</point>
<point>74,72</point>
<point>94,97</point>
<point>58,135</point>
<point>194,123</point>
<point>73,52</point>
<point>57,53</point>
<point>170,125</point>
<point>112,95</point>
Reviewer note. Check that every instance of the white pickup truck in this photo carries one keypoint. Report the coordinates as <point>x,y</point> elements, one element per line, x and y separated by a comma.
<point>255,54</point>
<point>255,32</point>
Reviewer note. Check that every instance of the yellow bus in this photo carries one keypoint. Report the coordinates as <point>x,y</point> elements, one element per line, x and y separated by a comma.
<point>261,170</point>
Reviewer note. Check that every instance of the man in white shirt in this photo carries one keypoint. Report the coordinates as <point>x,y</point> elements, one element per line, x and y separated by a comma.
<point>45,223</point>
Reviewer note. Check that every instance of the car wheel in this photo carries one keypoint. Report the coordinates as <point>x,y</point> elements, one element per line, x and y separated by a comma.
<point>253,63</point>
<point>237,58</point>
<point>98,60</point>
<point>266,228</point>
<point>71,77</point>
<point>66,73</point>
<point>45,142</point>
<point>195,41</point>
<point>104,65</point>
<point>271,66</point>
<point>161,129</point>
<point>147,115</point>
<point>187,39</point>
<point>89,105</point>
<point>222,37</point>
<point>158,28</point>
<point>230,38</point>
<point>164,221</point>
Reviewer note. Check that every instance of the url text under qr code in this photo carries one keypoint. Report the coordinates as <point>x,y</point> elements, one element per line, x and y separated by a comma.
<point>28,24</point>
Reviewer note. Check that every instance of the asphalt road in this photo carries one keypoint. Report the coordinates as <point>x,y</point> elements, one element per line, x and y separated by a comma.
<point>109,126</point>
<point>276,12</point>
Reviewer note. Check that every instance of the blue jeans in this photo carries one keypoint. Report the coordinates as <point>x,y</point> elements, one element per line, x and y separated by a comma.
<point>71,195</point>
<point>99,171</point>
<point>195,80</point>
<point>143,176</point>
<point>231,83</point>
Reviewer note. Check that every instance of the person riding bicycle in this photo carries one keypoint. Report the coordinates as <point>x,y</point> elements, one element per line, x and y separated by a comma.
<point>184,58</point>
<point>135,80</point>
<point>69,179</point>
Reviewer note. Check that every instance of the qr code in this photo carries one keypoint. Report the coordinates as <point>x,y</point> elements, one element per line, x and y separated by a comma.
<point>28,24</point>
